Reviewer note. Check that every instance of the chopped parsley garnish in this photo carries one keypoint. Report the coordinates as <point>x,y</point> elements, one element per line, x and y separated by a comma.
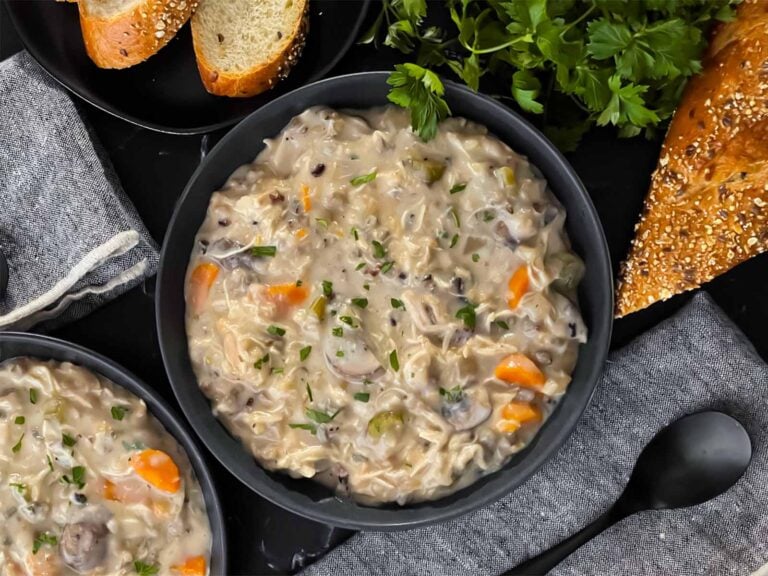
<point>322,222</point>
<point>309,393</point>
<point>360,302</point>
<point>144,569</point>
<point>68,440</point>
<point>118,412</point>
<point>20,420</point>
<point>393,361</point>
<point>360,180</point>
<point>362,396</point>
<point>276,330</point>
<point>327,288</point>
<point>348,320</point>
<point>261,361</point>
<point>378,249</point>
<point>475,257</point>
<point>360,266</point>
<point>43,539</point>
<point>488,215</point>
<point>397,303</point>
<point>387,266</point>
<point>501,324</point>
<point>50,462</point>
<point>338,331</point>
<point>77,478</point>
<point>456,188</point>
<point>339,353</point>
<point>454,240</point>
<point>20,488</point>
<point>453,395</point>
<point>279,370</point>
<point>455,217</point>
<point>320,417</point>
<point>33,395</point>
<point>467,315</point>
<point>17,447</point>
<point>366,286</point>
<point>304,354</point>
<point>260,251</point>
<point>305,426</point>
<point>299,283</point>
<point>354,233</point>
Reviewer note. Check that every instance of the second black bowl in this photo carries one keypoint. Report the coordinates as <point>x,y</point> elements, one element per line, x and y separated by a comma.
<point>308,498</point>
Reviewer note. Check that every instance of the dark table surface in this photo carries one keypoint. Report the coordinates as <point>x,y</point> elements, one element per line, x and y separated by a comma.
<point>154,168</point>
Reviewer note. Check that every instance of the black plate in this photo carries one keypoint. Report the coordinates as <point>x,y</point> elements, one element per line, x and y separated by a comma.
<point>308,498</point>
<point>14,344</point>
<point>165,93</point>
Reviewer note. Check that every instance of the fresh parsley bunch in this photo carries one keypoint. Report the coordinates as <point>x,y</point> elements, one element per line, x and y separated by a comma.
<point>575,63</point>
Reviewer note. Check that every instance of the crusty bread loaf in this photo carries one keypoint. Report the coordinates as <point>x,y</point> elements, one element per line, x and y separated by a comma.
<point>244,47</point>
<point>121,33</point>
<point>707,208</point>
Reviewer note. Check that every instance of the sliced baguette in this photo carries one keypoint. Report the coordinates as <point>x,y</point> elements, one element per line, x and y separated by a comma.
<point>244,47</point>
<point>122,33</point>
<point>707,208</point>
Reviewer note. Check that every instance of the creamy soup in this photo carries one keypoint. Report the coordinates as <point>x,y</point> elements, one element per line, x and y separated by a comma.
<point>90,483</point>
<point>390,317</point>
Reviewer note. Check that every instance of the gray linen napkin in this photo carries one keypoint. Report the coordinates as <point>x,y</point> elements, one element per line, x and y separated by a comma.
<point>695,360</point>
<point>72,238</point>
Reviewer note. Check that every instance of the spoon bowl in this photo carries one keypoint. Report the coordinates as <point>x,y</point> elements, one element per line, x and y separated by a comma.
<point>692,460</point>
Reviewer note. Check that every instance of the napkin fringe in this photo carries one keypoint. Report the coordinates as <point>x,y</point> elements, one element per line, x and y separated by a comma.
<point>118,245</point>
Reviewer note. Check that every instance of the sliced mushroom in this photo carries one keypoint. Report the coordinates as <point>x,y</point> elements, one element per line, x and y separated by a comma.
<point>349,357</point>
<point>83,545</point>
<point>470,409</point>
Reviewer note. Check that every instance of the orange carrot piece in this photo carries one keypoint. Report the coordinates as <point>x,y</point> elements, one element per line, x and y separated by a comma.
<point>519,369</point>
<point>300,234</point>
<point>200,282</point>
<point>518,286</point>
<point>306,199</point>
<point>194,566</point>
<point>158,469</point>
<point>289,294</point>
<point>522,412</point>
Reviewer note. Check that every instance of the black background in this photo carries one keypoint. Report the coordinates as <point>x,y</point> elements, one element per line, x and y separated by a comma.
<point>154,169</point>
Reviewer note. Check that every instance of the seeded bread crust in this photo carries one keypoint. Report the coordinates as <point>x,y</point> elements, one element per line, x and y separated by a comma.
<point>260,78</point>
<point>132,36</point>
<point>707,208</point>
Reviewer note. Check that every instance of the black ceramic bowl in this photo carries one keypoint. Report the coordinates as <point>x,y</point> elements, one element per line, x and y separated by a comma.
<point>14,344</point>
<point>305,497</point>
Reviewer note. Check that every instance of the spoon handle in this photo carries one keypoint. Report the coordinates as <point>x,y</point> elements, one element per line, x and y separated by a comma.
<point>548,559</point>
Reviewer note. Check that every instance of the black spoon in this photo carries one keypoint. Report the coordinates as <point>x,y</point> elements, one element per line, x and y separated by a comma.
<point>692,460</point>
<point>3,274</point>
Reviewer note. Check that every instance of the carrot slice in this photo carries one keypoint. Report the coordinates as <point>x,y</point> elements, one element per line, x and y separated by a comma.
<point>200,282</point>
<point>519,369</point>
<point>300,234</point>
<point>518,286</point>
<point>158,469</point>
<point>287,293</point>
<point>515,414</point>
<point>194,566</point>
<point>306,199</point>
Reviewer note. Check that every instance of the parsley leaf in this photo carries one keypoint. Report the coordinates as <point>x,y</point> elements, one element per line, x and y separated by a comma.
<point>394,362</point>
<point>303,355</point>
<point>118,412</point>
<point>378,249</point>
<point>276,330</point>
<point>421,91</point>
<point>77,478</point>
<point>467,315</point>
<point>360,302</point>
<point>364,179</point>
<point>320,417</point>
<point>259,251</point>
<point>261,361</point>
<point>43,539</point>
<point>452,395</point>
<point>304,426</point>
<point>19,420</point>
<point>144,569</point>
<point>397,303</point>
<point>17,447</point>
<point>456,188</point>
<point>362,396</point>
<point>68,440</point>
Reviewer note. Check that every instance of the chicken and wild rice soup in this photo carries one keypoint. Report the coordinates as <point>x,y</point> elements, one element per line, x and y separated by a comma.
<point>90,483</point>
<point>390,317</point>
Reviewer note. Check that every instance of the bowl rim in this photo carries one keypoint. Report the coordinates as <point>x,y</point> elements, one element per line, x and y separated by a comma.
<point>530,464</point>
<point>158,407</point>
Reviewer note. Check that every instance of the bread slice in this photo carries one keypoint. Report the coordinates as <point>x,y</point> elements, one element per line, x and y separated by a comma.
<point>707,208</point>
<point>244,47</point>
<point>122,33</point>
